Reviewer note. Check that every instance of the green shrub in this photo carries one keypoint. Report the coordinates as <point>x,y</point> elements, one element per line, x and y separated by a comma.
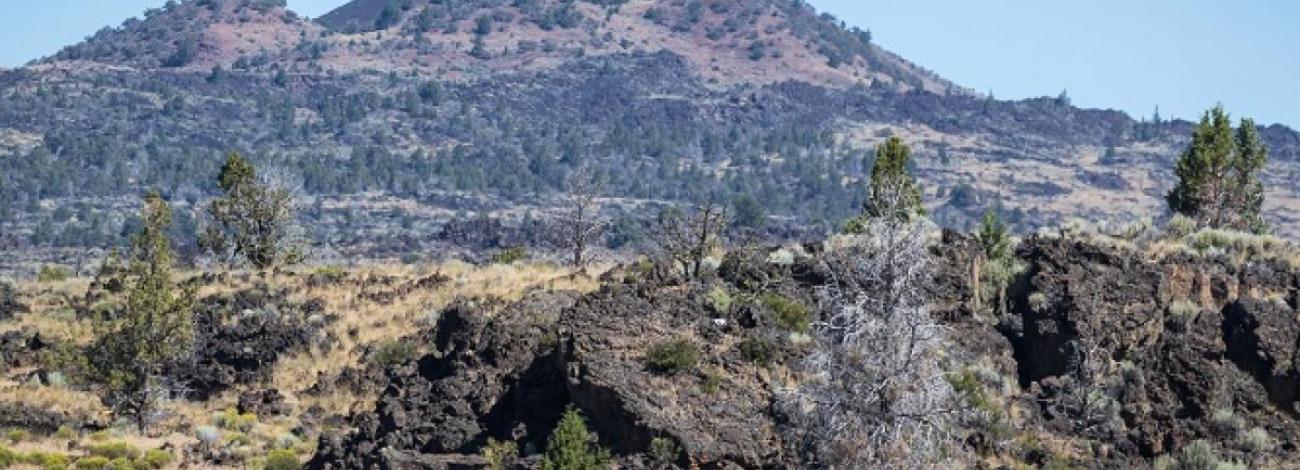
<point>1180,226</point>
<point>92,463</point>
<point>665,451</point>
<point>156,459</point>
<point>572,447</point>
<point>7,457</point>
<point>113,450</point>
<point>500,455</point>
<point>52,273</point>
<point>720,300</point>
<point>65,432</point>
<point>510,255</point>
<point>1259,441</point>
<point>47,461</point>
<point>394,352</point>
<point>17,435</point>
<point>282,459</point>
<point>123,464</point>
<point>710,382</point>
<point>672,356</point>
<point>789,314</point>
<point>757,350</point>
<point>100,435</point>
<point>232,420</point>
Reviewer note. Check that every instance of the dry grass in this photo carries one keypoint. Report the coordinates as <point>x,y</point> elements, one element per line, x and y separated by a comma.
<point>362,321</point>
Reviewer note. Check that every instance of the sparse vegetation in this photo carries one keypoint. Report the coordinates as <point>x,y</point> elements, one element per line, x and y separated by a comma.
<point>788,313</point>
<point>673,356</point>
<point>500,455</point>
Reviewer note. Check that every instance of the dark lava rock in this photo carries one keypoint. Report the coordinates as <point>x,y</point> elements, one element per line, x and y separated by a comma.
<point>239,337</point>
<point>9,304</point>
<point>489,377</point>
<point>264,403</point>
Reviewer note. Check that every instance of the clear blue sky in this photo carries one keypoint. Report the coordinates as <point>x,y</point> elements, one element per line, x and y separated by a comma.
<point>1183,55</point>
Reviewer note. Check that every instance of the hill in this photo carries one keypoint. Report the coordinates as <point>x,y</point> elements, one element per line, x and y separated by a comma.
<point>395,121</point>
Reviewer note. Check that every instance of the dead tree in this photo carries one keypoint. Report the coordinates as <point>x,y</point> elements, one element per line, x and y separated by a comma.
<point>685,239</point>
<point>580,222</point>
<point>876,394</point>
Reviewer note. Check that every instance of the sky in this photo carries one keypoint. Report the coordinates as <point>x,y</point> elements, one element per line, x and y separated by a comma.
<point>1184,56</point>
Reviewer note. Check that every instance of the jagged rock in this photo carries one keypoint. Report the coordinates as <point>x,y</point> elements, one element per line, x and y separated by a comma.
<point>268,402</point>
<point>239,337</point>
<point>489,377</point>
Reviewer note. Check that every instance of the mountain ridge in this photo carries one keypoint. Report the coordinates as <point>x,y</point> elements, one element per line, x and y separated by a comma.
<point>452,136</point>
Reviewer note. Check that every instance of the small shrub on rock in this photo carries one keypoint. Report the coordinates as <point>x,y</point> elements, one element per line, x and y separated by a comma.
<point>282,459</point>
<point>789,314</point>
<point>757,350</point>
<point>665,451</point>
<point>500,455</point>
<point>720,301</point>
<point>672,356</point>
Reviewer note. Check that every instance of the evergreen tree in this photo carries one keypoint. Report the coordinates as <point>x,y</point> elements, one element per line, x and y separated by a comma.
<point>893,191</point>
<point>152,329</point>
<point>252,222</point>
<point>572,447</point>
<point>993,237</point>
<point>1218,181</point>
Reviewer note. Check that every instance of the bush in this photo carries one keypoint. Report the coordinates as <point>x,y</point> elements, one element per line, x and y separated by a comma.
<point>156,459</point>
<point>1259,441</point>
<point>720,301</point>
<point>510,255</point>
<point>17,435</point>
<point>65,432</point>
<point>122,464</point>
<point>757,350</point>
<point>7,457</point>
<point>52,273</point>
<point>500,455</point>
<point>789,314</point>
<point>394,352</point>
<point>208,435</point>
<point>113,450</point>
<point>282,459</point>
<point>232,420</point>
<point>665,451</point>
<point>673,356</point>
<point>92,463</point>
<point>46,460</point>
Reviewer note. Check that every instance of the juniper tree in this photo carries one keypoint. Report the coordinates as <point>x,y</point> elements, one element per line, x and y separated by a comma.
<point>893,191</point>
<point>572,447</point>
<point>252,222</point>
<point>152,328</point>
<point>1218,174</point>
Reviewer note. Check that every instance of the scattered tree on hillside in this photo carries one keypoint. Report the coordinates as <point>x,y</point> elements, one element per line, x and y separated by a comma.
<point>1218,175</point>
<point>685,239</point>
<point>1000,265</point>
<point>152,329</point>
<point>252,222</point>
<point>894,192</point>
<point>581,218</point>
<point>572,447</point>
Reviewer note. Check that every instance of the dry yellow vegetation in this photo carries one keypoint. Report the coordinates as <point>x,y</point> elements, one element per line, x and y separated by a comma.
<point>369,310</point>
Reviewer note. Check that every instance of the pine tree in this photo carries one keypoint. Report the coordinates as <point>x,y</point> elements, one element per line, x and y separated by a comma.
<point>152,329</point>
<point>993,237</point>
<point>1218,181</point>
<point>894,194</point>
<point>572,447</point>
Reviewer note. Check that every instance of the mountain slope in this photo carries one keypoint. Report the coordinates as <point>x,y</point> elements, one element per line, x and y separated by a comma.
<point>396,134</point>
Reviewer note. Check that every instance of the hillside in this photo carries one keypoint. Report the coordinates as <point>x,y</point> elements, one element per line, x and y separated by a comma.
<point>393,124</point>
